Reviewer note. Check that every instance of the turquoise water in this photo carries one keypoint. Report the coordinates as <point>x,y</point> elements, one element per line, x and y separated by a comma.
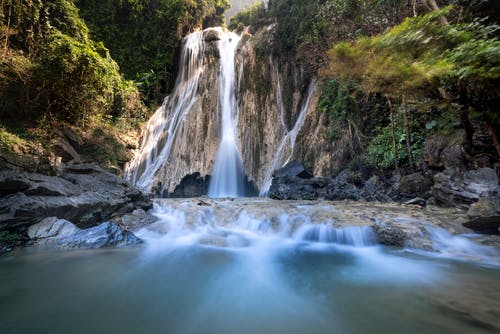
<point>271,285</point>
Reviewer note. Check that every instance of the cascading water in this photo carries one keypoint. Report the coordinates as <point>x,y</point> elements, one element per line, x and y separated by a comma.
<point>285,149</point>
<point>228,175</point>
<point>161,130</point>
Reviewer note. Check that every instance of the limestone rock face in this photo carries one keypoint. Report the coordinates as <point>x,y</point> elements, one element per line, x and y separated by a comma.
<point>276,117</point>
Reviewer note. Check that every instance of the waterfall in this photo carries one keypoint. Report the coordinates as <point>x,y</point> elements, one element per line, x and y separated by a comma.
<point>228,175</point>
<point>161,130</point>
<point>287,143</point>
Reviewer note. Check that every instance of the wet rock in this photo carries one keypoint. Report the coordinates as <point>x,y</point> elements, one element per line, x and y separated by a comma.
<point>416,201</point>
<point>192,185</point>
<point>459,188</point>
<point>104,235</point>
<point>52,227</point>
<point>416,184</point>
<point>135,220</point>
<point>84,194</point>
<point>291,169</point>
<point>391,235</point>
<point>484,215</point>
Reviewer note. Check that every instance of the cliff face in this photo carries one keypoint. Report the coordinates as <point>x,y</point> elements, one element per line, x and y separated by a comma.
<point>276,116</point>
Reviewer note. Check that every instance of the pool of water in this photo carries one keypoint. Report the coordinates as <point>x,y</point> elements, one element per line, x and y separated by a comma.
<point>269,285</point>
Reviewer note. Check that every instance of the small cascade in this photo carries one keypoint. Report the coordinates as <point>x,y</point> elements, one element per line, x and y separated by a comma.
<point>358,236</point>
<point>161,130</point>
<point>461,246</point>
<point>228,175</point>
<point>285,149</point>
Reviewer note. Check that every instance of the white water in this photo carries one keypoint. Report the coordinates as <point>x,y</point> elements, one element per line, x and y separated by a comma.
<point>228,175</point>
<point>160,133</point>
<point>285,149</point>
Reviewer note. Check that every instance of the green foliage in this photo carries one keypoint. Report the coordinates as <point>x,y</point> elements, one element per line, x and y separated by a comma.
<point>339,103</point>
<point>380,152</point>
<point>255,15</point>
<point>422,56</point>
<point>51,68</point>
<point>144,36</point>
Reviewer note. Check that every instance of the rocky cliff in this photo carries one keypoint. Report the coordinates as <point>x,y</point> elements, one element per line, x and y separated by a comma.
<point>276,101</point>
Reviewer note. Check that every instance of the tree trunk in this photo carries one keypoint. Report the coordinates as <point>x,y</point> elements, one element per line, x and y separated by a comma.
<point>408,134</point>
<point>432,5</point>
<point>493,134</point>
<point>469,129</point>
<point>394,142</point>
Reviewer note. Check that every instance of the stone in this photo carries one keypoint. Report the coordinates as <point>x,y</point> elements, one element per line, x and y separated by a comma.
<point>416,184</point>
<point>484,215</point>
<point>83,194</point>
<point>459,188</point>
<point>104,235</point>
<point>391,235</point>
<point>443,152</point>
<point>52,227</point>
<point>12,182</point>
<point>192,185</point>
<point>64,149</point>
<point>291,169</point>
<point>416,201</point>
<point>374,189</point>
<point>137,219</point>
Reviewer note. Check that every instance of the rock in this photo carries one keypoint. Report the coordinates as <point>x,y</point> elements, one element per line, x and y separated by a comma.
<point>83,194</point>
<point>391,235</point>
<point>374,189</point>
<point>341,189</point>
<point>211,35</point>
<point>416,201</point>
<point>103,235</point>
<point>291,169</point>
<point>12,182</point>
<point>294,188</point>
<point>459,188</point>
<point>484,215</point>
<point>64,149</point>
<point>192,185</point>
<point>72,137</point>
<point>52,227</point>
<point>416,184</point>
<point>442,152</point>
<point>135,220</point>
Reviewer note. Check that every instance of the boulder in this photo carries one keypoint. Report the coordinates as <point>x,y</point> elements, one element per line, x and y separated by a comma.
<point>415,185</point>
<point>64,149</point>
<point>52,227</point>
<point>484,215</point>
<point>295,188</point>
<point>391,235</point>
<point>84,194</point>
<point>292,169</point>
<point>104,235</point>
<point>374,189</point>
<point>135,220</point>
<point>341,189</point>
<point>458,188</point>
<point>445,151</point>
